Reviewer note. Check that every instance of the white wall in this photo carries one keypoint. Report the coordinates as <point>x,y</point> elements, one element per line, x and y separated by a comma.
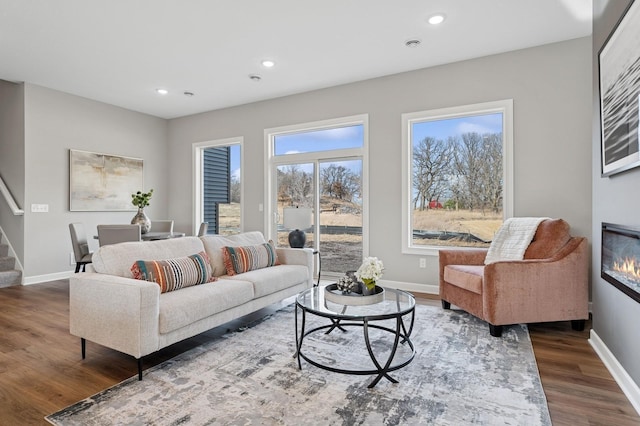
<point>12,161</point>
<point>615,316</point>
<point>551,89</point>
<point>56,122</point>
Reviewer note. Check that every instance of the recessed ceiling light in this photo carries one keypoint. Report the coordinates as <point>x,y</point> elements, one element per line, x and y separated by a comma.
<point>436,19</point>
<point>268,63</point>
<point>414,42</point>
<point>255,77</point>
<point>162,91</point>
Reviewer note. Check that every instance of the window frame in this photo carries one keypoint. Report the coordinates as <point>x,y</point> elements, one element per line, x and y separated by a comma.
<point>408,119</point>
<point>197,149</point>
<point>272,161</point>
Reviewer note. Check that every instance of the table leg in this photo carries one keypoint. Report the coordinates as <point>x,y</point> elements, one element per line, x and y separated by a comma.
<point>382,371</point>
<point>300,337</point>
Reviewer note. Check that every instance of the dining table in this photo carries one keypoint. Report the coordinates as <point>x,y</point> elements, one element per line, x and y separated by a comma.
<point>154,236</point>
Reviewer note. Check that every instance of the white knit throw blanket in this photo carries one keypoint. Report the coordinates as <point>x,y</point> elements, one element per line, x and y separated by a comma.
<point>512,239</point>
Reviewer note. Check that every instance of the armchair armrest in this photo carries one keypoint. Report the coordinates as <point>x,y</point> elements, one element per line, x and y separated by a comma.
<point>538,290</point>
<point>462,257</point>
<point>120,313</point>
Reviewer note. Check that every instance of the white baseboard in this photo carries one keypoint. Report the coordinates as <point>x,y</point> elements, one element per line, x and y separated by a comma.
<point>626,383</point>
<point>37,279</point>
<point>412,287</point>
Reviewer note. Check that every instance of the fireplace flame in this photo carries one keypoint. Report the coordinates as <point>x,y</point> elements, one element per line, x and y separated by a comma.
<point>629,266</point>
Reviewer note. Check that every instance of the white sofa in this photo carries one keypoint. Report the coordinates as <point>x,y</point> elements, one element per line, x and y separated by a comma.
<point>109,307</point>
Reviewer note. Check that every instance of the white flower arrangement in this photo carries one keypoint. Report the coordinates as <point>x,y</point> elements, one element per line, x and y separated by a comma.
<point>370,271</point>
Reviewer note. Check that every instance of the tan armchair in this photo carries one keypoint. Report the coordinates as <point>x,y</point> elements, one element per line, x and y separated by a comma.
<point>550,284</point>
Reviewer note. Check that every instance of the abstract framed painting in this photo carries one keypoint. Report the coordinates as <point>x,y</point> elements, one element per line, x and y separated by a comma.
<point>619,66</point>
<point>103,182</point>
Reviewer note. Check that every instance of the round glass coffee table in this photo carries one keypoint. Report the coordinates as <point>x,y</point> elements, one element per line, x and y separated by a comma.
<point>395,305</point>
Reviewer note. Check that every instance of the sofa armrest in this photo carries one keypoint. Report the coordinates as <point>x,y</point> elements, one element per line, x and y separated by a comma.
<point>539,290</point>
<point>120,313</point>
<point>296,256</point>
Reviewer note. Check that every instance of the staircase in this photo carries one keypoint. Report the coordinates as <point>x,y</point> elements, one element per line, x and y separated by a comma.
<point>8,274</point>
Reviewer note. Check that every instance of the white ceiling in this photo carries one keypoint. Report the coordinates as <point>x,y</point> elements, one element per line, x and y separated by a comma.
<point>120,51</point>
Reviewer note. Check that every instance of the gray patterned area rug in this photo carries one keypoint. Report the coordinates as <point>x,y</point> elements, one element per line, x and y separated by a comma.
<point>460,375</point>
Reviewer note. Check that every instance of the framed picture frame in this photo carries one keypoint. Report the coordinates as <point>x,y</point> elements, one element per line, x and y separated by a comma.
<point>619,66</point>
<point>103,182</point>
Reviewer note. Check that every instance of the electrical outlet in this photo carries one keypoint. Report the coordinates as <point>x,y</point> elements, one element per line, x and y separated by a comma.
<point>423,262</point>
<point>39,208</point>
<point>72,259</point>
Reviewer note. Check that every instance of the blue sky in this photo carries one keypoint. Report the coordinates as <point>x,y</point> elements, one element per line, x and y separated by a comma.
<point>235,161</point>
<point>442,129</point>
<point>353,136</point>
<point>320,140</point>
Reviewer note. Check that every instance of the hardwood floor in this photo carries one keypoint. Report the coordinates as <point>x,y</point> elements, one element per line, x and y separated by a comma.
<point>41,370</point>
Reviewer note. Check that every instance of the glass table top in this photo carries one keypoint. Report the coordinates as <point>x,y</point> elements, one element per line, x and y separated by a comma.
<point>395,302</point>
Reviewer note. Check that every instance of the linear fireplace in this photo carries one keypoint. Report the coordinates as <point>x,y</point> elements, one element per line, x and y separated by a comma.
<point>620,264</point>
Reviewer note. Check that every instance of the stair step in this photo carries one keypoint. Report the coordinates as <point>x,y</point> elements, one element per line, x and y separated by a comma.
<point>10,278</point>
<point>4,250</point>
<point>7,263</point>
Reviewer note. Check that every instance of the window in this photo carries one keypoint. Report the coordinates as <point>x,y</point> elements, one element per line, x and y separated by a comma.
<point>217,167</point>
<point>457,168</point>
<point>321,166</point>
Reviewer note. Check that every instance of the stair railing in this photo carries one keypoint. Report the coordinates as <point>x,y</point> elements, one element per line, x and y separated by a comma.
<point>17,211</point>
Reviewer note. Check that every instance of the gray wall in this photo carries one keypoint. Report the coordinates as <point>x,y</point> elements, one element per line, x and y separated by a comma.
<point>12,161</point>
<point>551,89</point>
<point>615,315</point>
<point>56,122</point>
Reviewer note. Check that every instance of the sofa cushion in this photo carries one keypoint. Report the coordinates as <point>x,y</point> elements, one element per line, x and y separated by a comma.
<point>213,245</point>
<point>468,277</point>
<point>238,260</point>
<point>550,237</point>
<point>174,274</point>
<point>270,280</point>
<point>116,259</point>
<point>182,308</point>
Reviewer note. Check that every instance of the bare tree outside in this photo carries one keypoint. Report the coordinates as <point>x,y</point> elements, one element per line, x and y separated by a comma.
<point>431,166</point>
<point>295,186</point>
<point>339,182</point>
<point>477,168</point>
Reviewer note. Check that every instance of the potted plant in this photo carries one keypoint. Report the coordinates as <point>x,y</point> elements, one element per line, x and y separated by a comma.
<point>141,200</point>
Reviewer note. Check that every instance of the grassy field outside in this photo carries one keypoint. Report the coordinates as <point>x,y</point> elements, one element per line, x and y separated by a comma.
<point>343,252</point>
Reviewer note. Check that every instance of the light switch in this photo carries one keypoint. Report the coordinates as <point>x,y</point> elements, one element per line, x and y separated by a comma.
<point>40,208</point>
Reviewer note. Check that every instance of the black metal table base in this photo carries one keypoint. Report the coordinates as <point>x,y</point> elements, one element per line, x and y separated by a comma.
<point>401,334</point>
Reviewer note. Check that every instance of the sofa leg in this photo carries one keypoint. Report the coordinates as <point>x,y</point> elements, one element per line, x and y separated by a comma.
<point>445,304</point>
<point>83,347</point>
<point>578,325</point>
<point>139,368</point>
<point>495,330</point>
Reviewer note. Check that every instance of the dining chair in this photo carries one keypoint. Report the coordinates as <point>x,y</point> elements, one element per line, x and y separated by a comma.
<point>113,234</point>
<point>204,227</point>
<point>81,252</point>
<point>162,225</point>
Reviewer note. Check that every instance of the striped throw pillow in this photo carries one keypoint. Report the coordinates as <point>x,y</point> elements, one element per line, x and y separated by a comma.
<point>249,258</point>
<point>174,274</point>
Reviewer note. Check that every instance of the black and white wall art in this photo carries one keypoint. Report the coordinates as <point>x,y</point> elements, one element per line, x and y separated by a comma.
<point>619,63</point>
